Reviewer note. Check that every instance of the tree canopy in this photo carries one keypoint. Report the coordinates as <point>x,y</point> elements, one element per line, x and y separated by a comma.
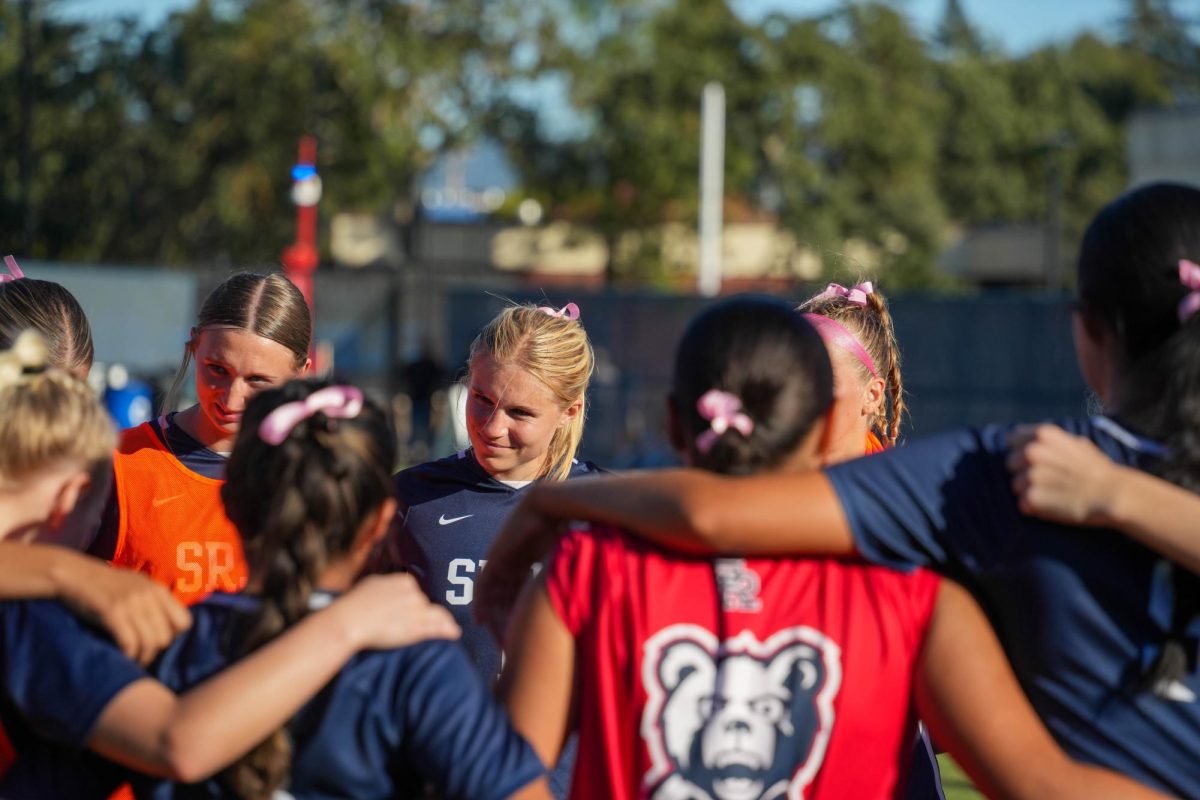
<point>173,144</point>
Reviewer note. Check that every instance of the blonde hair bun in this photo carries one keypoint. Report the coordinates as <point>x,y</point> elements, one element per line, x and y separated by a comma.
<point>28,354</point>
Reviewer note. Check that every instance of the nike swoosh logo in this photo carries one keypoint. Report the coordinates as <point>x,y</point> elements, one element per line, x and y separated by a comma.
<point>443,521</point>
<point>158,502</point>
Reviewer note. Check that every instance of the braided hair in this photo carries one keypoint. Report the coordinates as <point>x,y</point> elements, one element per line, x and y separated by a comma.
<point>298,506</point>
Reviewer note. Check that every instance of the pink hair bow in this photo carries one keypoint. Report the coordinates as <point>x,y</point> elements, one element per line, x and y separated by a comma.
<point>569,311</point>
<point>723,411</point>
<point>856,294</point>
<point>1189,276</point>
<point>339,402</point>
<point>13,268</point>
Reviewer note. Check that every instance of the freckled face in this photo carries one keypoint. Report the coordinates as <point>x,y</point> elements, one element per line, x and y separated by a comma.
<point>511,418</point>
<point>231,367</point>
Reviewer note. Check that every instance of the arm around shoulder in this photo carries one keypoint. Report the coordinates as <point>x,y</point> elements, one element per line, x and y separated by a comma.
<point>1065,478</point>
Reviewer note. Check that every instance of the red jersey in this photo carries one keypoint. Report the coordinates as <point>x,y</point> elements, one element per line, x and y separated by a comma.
<point>735,679</point>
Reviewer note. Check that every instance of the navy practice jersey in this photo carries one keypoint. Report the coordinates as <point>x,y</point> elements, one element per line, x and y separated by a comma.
<point>56,678</point>
<point>450,513</point>
<point>390,721</point>
<point>1081,612</point>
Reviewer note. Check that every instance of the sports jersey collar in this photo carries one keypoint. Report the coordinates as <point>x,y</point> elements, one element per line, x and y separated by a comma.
<point>1129,439</point>
<point>466,458</point>
<point>483,478</point>
<point>246,602</point>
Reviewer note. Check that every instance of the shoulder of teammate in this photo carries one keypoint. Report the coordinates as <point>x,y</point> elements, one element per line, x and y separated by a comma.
<point>439,696</point>
<point>586,560</point>
<point>581,468</point>
<point>941,500</point>
<point>203,649</point>
<point>138,437</point>
<point>59,673</point>
<point>1119,442</point>
<point>434,479</point>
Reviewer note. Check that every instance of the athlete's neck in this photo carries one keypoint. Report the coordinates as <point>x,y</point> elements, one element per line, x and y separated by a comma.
<point>195,424</point>
<point>340,575</point>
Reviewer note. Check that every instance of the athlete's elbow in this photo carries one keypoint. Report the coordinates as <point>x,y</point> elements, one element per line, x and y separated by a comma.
<point>701,518</point>
<point>183,758</point>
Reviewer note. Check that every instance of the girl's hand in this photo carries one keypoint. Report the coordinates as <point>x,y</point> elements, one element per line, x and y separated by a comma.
<point>526,537</point>
<point>141,616</point>
<point>383,612</point>
<point>1061,477</point>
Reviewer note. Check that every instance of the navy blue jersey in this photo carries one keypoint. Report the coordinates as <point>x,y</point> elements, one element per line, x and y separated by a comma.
<point>390,721</point>
<point>1081,612</point>
<point>58,676</point>
<point>450,512</point>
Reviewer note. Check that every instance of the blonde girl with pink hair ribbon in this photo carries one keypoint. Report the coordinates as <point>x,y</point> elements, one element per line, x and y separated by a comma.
<point>869,390</point>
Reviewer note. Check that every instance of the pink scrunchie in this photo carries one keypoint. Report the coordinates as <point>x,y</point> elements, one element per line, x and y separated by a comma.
<point>723,411</point>
<point>569,311</point>
<point>13,268</point>
<point>856,294</point>
<point>338,402</point>
<point>1189,276</point>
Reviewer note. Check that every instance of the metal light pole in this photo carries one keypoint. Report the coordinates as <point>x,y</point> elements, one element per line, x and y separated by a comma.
<point>712,186</point>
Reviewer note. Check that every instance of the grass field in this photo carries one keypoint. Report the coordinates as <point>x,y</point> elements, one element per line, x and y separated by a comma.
<point>955,782</point>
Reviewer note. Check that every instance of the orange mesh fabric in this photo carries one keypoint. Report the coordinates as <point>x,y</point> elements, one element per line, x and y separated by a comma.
<point>173,524</point>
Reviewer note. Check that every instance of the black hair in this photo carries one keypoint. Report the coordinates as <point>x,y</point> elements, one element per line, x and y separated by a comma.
<point>1129,279</point>
<point>768,356</point>
<point>1181,416</point>
<point>298,505</point>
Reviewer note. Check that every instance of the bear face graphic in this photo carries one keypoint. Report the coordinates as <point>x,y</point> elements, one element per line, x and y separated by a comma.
<point>740,721</point>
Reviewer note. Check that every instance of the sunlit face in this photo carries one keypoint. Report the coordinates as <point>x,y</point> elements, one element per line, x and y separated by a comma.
<point>511,418</point>
<point>853,407</point>
<point>231,367</point>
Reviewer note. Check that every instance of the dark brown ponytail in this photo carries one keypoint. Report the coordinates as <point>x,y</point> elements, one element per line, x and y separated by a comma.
<point>298,506</point>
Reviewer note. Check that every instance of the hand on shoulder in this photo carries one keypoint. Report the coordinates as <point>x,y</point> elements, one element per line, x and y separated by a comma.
<point>141,616</point>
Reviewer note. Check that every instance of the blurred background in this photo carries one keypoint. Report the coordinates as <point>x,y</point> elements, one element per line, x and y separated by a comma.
<point>470,153</point>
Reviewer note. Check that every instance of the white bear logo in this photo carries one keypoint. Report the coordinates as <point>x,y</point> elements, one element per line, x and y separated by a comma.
<point>739,720</point>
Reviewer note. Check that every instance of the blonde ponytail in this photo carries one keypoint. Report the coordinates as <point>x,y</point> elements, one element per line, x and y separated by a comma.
<point>47,416</point>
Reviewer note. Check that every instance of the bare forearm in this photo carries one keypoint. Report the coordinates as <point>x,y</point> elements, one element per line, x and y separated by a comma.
<point>698,511</point>
<point>263,691</point>
<point>1160,515</point>
<point>36,572</point>
<point>191,737</point>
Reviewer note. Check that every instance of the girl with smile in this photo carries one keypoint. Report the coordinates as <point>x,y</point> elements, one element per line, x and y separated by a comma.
<point>527,381</point>
<point>511,419</point>
<point>1100,629</point>
<point>164,516</point>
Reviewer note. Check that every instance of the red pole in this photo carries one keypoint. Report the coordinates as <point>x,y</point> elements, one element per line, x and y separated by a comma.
<point>301,257</point>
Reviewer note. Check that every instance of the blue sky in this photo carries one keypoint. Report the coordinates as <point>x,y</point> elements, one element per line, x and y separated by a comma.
<point>1019,25</point>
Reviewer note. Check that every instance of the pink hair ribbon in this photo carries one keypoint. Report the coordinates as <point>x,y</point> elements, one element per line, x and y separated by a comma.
<point>723,411</point>
<point>1189,276</point>
<point>569,311</point>
<point>856,294</point>
<point>13,268</point>
<point>338,402</point>
<point>837,334</point>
